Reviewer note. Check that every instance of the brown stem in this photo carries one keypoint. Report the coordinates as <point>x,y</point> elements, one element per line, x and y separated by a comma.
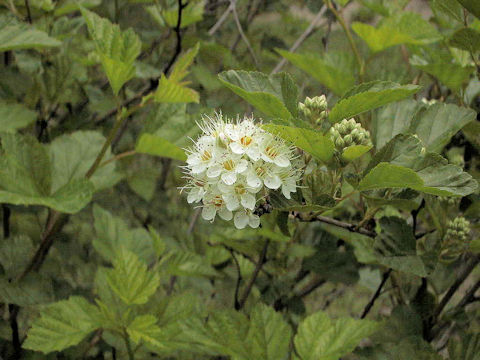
<point>29,14</point>
<point>342,224</point>
<point>262,259</point>
<point>375,296</point>
<point>461,278</point>
<point>236,303</point>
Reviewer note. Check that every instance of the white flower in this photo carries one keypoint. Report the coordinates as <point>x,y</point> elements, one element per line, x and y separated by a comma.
<point>232,166</point>
<point>227,167</point>
<point>239,194</point>
<point>213,203</point>
<point>245,217</point>
<point>264,173</point>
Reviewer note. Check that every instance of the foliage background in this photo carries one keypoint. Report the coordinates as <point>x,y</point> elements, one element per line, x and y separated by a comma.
<point>102,257</point>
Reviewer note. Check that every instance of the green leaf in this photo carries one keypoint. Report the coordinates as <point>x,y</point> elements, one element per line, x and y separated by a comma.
<point>191,14</point>
<point>15,116</point>
<point>269,335</point>
<point>472,6</point>
<point>155,145</point>
<point>113,233</point>
<point>130,279</point>
<point>355,151</point>
<point>438,123</point>
<point>403,164</point>
<point>401,28</point>
<point>117,49</point>
<point>266,93</point>
<point>73,154</point>
<point>173,89</point>
<point>452,75</point>
<point>396,248</point>
<point>466,39</point>
<point>320,338</point>
<point>69,6</point>
<point>369,96</point>
<point>16,36</point>
<point>61,325</point>
<point>334,72</point>
<point>25,178</point>
<point>465,348</point>
<point>144,328</point>
<point>393,119</point>
<point>314,142</point>
<point>187,263</point>
<point>451,9</point>
<point>15,252</point>
<point>33,289</point>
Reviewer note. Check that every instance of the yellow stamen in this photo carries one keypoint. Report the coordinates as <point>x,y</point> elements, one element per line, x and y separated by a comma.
<point>207,155</point>
<point>271,152</point>
<point>246,140</point>
<point>229,165</point>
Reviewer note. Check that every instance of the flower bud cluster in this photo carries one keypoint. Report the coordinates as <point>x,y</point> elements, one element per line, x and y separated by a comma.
<point>455,240</point>
<point>449,200</point>
<point>232,166</point>
<point>314,108</point>
<point>347,133</point>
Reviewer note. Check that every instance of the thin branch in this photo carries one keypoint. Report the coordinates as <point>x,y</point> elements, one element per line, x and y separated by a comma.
<point>311,28</point>
<point>6,220</point>
<point>242,34</point>
<point>344,225</point>
<point>29,14</point>
<point>222,19</point>
<point>461,278</point>
<point>375,296</point>
<point>193,221</point>
<point>349,36</point>
<point>262,259</point>
<point>177,30</point>
<point>469,296</point>
<point>118,157</point>
<point>236,303</point>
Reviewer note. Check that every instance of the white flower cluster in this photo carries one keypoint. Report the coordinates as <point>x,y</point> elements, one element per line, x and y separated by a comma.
<point>231,166</point>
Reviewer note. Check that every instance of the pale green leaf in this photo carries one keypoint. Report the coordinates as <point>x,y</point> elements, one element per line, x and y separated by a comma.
<point>381,38</point>
<point>369,96</point>
<point>334,72</point>
<point>155,145</point>
<point>402,163</point>
<point>73,154</point>
<point>61,325</point>
<point>117,49</point>
<point>438,123</point>
<point>269,335</point>
<point>452,75</point>
<point>267,93</point>
<point>26,178</point>
<point>187,263</point>
<point>113,233</point>
<point>314,142</point>
<point>130,279</point>
<point>15,36</point>
<point>191,14</point>
<point>173,89</point>
<point>69,6</point>
<point>144,328</point>
<point>320,338</point>
<point>15,116</point>
<point>355,151</point>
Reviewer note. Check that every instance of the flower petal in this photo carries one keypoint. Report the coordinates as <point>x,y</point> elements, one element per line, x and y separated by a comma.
<point>225,214</point>
<point>282,161</point>
<point>240,220</point>
<point>237,148</point>
<point>214,171</point>
<point>248,201</point>
<point>272,182</point>
<point>229,177</point>
<point>208,212</point>
<point>254,221</point>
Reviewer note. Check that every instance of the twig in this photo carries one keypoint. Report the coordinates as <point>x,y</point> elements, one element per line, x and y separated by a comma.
<point>461,278</point>
<point>29,14</point>
<point>95,339</point>
<point>193,221</point>
<point>242,34</point>
<point>177,30</point>
<point>469,296</point>
<point>118,157</point>
<point>349,36</point>
<point>222,19</point>
<point>375,296</point>
<point>344,225</point>
<point>236,303</point>
<point>313,26</point>
<point>262,259</point>
<point>6,220</point>
<point>313,285</point>
<point>17,347</point>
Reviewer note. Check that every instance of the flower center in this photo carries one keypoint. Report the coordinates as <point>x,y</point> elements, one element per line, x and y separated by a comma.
<point>246,140</point>
<point>271,152</point>
<point>229,165</point>
<point>217,201</point>
<point>240,190</point>
<point>207,155</point>
<point>260,171</point>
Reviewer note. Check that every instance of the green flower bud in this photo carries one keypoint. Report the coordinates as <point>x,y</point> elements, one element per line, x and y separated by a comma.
<point>314,108</point>
<point>351,133</point>
<point>455,241</point>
